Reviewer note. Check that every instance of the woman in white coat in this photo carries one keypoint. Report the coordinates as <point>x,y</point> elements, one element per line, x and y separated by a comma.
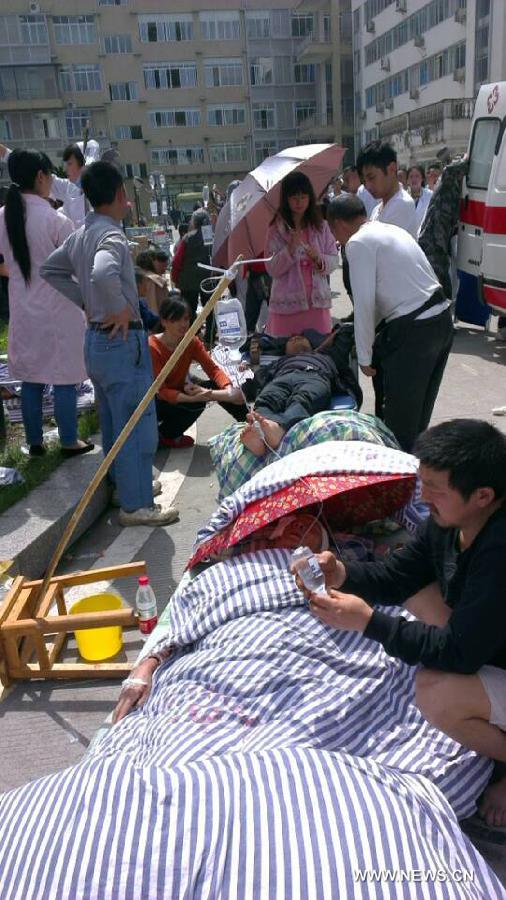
<point>46,333</point>
<point>420,194</point>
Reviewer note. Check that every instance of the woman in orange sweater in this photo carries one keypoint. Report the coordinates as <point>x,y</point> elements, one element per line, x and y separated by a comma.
<point>181,399</point>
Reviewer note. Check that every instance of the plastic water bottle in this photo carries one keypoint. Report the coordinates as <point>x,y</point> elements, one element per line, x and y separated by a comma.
<point>309,570</point>
<point>231,326</point>
<point>145,602</point>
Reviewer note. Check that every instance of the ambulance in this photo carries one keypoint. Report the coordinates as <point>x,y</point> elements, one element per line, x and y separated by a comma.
<point>481,259</point>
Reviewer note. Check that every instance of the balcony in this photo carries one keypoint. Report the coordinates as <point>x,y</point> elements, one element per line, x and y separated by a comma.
<point>313,128</point>
<point>312,49</point>
<point>444,123</point>
<point>21,55</point>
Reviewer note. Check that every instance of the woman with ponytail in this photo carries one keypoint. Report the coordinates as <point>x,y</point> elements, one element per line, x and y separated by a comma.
<point>46,333</point>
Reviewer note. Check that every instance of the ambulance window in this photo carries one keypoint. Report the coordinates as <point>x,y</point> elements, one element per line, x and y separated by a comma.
<point>482,152</point>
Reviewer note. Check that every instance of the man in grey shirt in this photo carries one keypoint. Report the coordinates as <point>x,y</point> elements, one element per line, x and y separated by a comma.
<point>94,270</point>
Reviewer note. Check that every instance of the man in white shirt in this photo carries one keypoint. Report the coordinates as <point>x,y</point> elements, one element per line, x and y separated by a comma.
<point>402,319</point>
<point>421,195</point>
<point>353,185</point>
<point>377,167</point>
<point>68,190</point>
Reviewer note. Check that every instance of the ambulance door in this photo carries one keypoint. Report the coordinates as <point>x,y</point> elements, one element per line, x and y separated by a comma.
<point>493,263</point>
<point>474,194</point>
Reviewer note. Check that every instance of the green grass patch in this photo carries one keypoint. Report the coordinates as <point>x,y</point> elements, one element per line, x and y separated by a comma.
<point>37,469</point>
<point>3,336</point>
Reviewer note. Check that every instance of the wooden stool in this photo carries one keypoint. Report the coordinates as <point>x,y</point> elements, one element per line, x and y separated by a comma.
<point>25,622</point>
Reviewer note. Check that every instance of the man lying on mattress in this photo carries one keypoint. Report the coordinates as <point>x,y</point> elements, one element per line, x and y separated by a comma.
<point>454,571</point>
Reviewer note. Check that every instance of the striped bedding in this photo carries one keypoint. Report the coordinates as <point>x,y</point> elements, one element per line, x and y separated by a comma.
<point>275,759</point>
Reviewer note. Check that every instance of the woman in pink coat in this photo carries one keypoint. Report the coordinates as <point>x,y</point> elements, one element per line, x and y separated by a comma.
<point>46,332</point>
<point>304,253</point>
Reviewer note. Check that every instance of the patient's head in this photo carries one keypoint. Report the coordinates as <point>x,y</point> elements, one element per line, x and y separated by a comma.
<point>295,530</point>
<point>297,344</point>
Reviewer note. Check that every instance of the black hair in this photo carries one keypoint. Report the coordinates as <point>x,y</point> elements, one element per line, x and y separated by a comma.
<point>139,276</point>
<point>350,169</point>
<point>144,260</point>
<point>298,183</point>
<point>100,182</point>
<point>378,153</point>
<point>345,208</point>
<point>403,169</point>
<point>173,308</point>
<point>435,165</point>
<point>419,169</point>
<point>23,166</point>
<point>473,453</point>
<point>182,229</point>
<point>200,217</point>
<point>161,255</point>
<point>76,152</point>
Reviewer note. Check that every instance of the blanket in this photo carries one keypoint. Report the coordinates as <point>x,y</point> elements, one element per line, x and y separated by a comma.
<point>275,758</point>
<point>235,465</point>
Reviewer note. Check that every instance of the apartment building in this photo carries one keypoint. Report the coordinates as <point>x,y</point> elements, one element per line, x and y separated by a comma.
<point>200,96</point>
<point>418,65</point>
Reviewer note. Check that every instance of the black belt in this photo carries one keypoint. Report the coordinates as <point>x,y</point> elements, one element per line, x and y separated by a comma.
<point>99,326</point>
<point>436,298</point>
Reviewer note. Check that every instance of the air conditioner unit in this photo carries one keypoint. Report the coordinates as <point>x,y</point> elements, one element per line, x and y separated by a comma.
<point>459,75</point>
<point>34,6</point>
<point>414,94</point>
<point>380,107</point>
<point>389,104</point>
<point>419,40</point>
<point>461,15</point>
<point>385,63</point>
<point>400,5</point>
<point>370,26</point>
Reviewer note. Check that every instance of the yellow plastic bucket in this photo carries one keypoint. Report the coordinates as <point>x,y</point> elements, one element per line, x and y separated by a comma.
<point>95,644</point>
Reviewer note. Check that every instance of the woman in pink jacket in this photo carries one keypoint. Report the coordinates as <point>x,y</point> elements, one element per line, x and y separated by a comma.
<point>304,253</point>
<point>46,332</point>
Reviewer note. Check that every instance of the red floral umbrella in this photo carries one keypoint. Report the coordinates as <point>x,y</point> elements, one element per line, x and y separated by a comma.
<point>349,499</point>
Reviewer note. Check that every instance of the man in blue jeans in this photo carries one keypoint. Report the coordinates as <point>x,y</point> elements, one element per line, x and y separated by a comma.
<point>94,270</point>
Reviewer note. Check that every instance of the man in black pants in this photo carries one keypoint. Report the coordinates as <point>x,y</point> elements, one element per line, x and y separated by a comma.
<point>402,318</point>
<point>296,387</point>
<point>453,576</point>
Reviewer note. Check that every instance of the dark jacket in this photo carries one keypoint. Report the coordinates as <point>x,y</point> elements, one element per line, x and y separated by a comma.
<point>195,251</point>
<point>472,583</point>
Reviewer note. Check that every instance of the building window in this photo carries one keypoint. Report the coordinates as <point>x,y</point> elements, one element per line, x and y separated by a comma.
<point>264,115</point>
<point>481,55</point>
<point>128,132</point>
<point>326,28</point>
<point>220,26</point>
<point>226,114</point>
<point>228,153</point>
<point>304,73</point>
<point>261,70</point>
<point>374,7</point>
<point>33,30</point>
<point>418,23</point>
<point>263,149</point>
<point>302,26</point>
<point>124,90</point>
<point>140,170</point>
<point>179,156</point>
<point>74,29</point>
<point>113,2</point>
<point>117,43</point>
<point>303,111</point>
<point>80,78</point>
<point>223,73</point>
<point>5,130</point>
<point>174,118</point>
<point>153,29</point>
<point>171,75</point>
<point>258,24</point>
<point>76,120</point>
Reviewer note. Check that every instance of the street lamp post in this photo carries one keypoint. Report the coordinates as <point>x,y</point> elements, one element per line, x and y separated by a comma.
<point>157,184</point>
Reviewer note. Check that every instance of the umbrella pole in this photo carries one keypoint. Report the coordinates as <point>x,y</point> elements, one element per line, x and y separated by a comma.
<point>128,428</point>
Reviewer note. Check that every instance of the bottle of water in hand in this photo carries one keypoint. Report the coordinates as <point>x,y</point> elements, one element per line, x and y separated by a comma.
<point>309,570</point>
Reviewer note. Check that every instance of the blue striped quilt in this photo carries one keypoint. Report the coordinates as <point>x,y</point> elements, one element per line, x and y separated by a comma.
<point>276,759</point>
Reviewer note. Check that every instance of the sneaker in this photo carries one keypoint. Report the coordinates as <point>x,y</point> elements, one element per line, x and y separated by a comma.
<point>153,515</point>
<point>115,501</point>
<point>180,443</point>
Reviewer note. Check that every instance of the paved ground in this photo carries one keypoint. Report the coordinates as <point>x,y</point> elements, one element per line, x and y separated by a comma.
<point>46,727</point>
